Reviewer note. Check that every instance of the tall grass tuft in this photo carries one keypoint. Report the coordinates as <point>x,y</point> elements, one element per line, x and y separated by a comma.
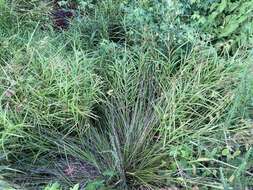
<point>44,88</point>
<point>167,122</point>
<point>115,100</point>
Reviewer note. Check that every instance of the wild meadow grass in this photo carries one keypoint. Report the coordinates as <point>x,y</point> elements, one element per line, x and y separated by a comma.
<point>115,103</point>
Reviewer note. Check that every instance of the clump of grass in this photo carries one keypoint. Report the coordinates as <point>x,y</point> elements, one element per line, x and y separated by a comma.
<point>45,88</point>
<point>28,12</point>
<point>195,111</point>
<point>166,123</point>
<point>137,113</point>
<point>162,123</point>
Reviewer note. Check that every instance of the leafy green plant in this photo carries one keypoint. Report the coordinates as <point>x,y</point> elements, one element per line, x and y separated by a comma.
<point>227,22</point>
<point>54,186</point>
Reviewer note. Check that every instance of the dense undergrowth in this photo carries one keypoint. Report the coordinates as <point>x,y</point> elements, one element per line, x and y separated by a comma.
<point>125,95</point>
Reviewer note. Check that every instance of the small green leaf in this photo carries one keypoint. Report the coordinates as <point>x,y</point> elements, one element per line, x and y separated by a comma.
<point>76,187</point>
<point>54,186</point>
<point>95,185</point>
<point>236,153</point>
<point>225,152</point>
